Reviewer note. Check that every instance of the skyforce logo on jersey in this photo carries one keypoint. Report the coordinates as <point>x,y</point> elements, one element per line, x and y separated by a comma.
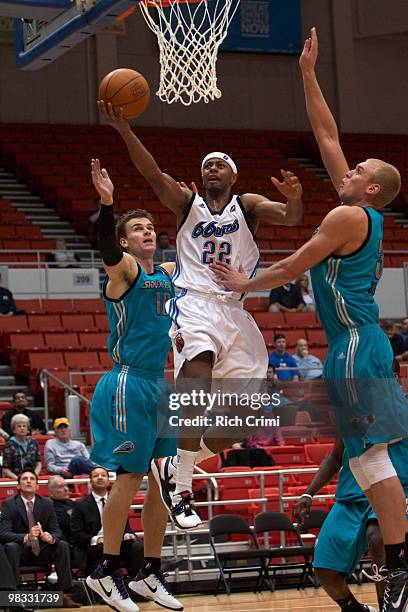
<point>213,229</point>
<point>156,284</point>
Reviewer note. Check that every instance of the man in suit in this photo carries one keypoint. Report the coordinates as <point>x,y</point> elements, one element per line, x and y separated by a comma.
<point>58,491</point>
<point>30,534</point>
<point>87,530</point>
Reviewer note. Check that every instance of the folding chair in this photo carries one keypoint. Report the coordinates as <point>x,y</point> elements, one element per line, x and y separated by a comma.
<point>269,522</point>
<point>225,525</point>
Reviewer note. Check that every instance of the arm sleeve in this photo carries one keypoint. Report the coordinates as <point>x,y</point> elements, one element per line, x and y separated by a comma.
<point>8,456</point>
<point>111,252</point>
<point>49,459</point>
<point>80,535</point>
<point>7,533</point>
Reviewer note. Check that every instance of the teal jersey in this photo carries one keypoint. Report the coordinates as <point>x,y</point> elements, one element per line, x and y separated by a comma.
<point>139,324</point>
<point>344,287</point>
<point>347,487</point>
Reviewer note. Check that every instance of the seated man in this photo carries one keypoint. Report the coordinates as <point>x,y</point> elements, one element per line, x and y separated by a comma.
<point>20,407</point>
<point>30,534</point>
<point>87,529</point>
<point>8,306</point>
<point>283,363</point>
<point>21,451</point>
<point>58,491</point>
<point>64,456</point>
<point>286,298</point>
<point>310,366</point>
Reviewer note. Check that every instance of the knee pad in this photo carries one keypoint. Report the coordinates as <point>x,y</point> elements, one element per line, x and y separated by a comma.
<point>373,466</point>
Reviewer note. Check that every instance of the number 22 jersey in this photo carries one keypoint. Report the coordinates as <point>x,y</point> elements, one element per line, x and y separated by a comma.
<point>205,237</point>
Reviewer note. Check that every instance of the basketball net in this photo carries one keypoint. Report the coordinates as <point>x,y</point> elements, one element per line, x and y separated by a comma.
<point>189,36</point>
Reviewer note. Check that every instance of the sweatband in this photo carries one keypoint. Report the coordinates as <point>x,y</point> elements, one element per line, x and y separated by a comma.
<point>219,155</point>
<point>111,252</point>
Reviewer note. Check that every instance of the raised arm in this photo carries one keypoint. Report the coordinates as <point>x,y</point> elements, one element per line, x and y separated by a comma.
<point>342,231</point>
<point>119,266</point>
<point>278,213</point>
<point>322,121</point>
<point>165,187</point>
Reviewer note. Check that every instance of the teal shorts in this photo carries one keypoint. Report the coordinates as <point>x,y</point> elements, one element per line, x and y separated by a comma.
<point>342,541</point>
<point>369,403</point>
<point>129,420</point>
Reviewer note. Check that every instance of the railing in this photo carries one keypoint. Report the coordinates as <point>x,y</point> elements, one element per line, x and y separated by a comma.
<point>212,487</point>
<point>45,375</point>
<point>95,260</point>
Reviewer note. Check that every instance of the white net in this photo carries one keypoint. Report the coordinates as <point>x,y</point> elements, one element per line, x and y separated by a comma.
<point>189,36</point>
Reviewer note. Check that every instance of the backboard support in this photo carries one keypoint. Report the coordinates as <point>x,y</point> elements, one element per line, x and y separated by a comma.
<point>40,42</point>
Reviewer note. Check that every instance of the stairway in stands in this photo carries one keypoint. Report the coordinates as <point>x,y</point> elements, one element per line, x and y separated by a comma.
<point>399,217</point>
<point>37,213</point>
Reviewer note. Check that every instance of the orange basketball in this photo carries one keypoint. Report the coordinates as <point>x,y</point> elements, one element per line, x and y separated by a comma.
<point>127,89</point>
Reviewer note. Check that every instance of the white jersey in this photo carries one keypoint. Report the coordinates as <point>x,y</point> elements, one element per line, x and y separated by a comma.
<point>205,237</point>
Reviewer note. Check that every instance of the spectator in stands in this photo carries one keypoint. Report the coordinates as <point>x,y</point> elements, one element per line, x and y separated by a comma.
<point>312,365</point>
<point>58,491</point>
<point>87,529</point>
<point>64,456</point>
<point>306,293</point>
<point>404,333</point>
<point>62,257</point>
<point>281,360</point>
<point>21,451</point>
<point>8,306</point>
<point>396,340</point>
<point>30,534</point>
<point>165,251</point>
<point>20,407</point>
<point>286,298</point>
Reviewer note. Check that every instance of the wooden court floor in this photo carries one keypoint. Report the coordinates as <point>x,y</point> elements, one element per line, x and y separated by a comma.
<point>308,600</point>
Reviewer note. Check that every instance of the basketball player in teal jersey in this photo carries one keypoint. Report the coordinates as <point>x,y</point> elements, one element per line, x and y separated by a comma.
<point>350,528</point>
<point>126,401</point>
<point>345,257</point>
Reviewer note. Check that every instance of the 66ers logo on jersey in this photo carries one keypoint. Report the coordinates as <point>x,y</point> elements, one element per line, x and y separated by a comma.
<point>179,342</point>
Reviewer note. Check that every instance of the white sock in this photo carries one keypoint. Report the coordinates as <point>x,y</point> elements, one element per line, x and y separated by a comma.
<point>185,467</point>
<point>204,452</point>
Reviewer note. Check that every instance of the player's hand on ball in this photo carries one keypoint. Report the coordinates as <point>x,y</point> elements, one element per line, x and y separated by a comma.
<point>102,182</point>
<point>114,118</point>
<point>308,58</point>
<point>302,509</point>
<point>290,187</point>
<point>228,277</point>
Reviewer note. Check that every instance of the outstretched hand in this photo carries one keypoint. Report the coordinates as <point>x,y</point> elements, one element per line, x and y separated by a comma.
<point>114,118</point>
<point>308,58</point>
<point>290,187</point>
<point>102,182</point>
<point>228,277</point>
<point>183,186</point>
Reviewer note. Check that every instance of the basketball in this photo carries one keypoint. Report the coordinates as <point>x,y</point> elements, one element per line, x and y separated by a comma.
<point>127,89</point>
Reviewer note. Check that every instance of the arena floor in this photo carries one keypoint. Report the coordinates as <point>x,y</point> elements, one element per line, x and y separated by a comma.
<point>308,600</point>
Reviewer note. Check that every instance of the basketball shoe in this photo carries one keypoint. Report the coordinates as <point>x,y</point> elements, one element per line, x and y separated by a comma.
<point>155,587</point>
<point>112,589</point>
<point>180,506</point>
<point>396,591</point>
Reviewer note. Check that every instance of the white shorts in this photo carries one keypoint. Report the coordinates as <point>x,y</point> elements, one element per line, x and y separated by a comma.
<point>204,322</point>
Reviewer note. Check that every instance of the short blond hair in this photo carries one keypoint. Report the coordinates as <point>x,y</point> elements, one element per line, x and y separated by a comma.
<point>389,178</point>
<point>19,418</point>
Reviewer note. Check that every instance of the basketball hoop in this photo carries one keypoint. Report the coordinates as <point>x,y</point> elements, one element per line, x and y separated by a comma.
<point>189,36</point>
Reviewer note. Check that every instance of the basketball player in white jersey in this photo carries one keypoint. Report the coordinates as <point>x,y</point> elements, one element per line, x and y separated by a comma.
<point>212,335</point>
